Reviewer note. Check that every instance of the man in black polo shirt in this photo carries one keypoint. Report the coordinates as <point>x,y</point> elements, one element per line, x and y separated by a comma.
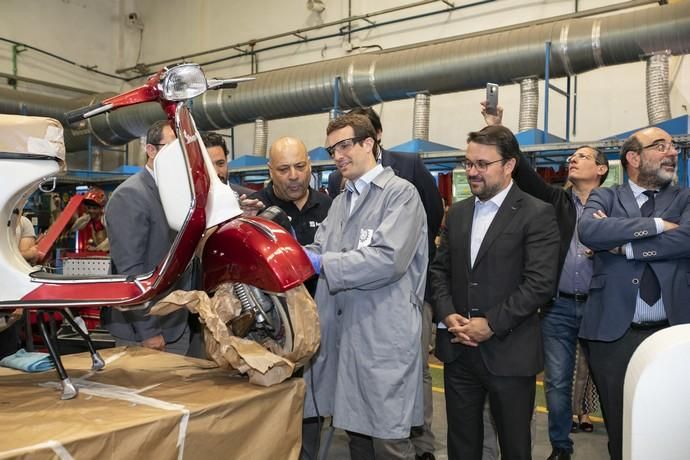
<point>290,171</point>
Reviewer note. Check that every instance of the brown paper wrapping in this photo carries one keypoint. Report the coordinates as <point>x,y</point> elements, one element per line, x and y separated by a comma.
<point>266,364</point>
<point>185,411</point>
<point>39,135</point>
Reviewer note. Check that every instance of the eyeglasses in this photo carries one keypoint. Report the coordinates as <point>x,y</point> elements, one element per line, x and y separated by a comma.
<point>344,145</point>
<point>661,147</point>
<point>480,165</point>
<point>579,156</point>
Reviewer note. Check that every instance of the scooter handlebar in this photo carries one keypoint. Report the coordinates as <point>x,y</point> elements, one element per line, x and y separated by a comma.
<point>83,113</point>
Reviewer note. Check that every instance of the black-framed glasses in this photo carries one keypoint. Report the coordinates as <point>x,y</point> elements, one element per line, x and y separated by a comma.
<point>344,145</point>
<point>480,165</point>
<point>662,147</point>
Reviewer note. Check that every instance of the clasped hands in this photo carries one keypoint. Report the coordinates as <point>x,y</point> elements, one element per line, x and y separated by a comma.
<point>468,331</point>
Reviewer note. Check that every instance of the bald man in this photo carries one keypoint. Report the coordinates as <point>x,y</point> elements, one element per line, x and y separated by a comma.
<point>640,235</point>
<point>290,171</point>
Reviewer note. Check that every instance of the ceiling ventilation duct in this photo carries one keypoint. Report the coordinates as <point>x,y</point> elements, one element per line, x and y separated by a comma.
<point>658,101</point>
<point>420,123</point>
<point>450,65</point>
<point>260,137</point>
<point>529,104</point>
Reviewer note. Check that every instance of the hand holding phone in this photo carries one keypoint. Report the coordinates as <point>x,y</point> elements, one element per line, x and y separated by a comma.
<point>492,98</point>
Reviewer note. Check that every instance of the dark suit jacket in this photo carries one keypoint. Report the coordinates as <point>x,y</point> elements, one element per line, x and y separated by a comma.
<point>411,168</point>
<point>514,274</point>
<point>139,238</point>
<point>561,199</point>
<point>615,282</point>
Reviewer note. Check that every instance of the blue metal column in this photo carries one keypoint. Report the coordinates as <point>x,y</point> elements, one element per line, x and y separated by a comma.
<point>547,65</point>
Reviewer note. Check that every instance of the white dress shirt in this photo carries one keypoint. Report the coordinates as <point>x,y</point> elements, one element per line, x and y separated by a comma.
<point>484,213</point>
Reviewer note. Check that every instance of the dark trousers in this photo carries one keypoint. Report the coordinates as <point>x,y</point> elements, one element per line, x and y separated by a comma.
<point>311,437</point>
<point>363,447</point>
<point>467,382</point>
<point>608,362</point>
<point>9,340</point>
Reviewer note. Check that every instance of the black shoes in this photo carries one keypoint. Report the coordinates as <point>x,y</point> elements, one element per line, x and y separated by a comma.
<point>559,454</point>
<point>425,456</point>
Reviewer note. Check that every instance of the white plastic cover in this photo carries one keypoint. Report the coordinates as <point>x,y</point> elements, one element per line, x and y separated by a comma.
<point>222,203</point>
<point>32,135</point>
<point>170,172</point>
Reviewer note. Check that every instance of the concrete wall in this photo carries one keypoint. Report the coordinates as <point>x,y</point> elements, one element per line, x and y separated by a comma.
<point>610,100</point>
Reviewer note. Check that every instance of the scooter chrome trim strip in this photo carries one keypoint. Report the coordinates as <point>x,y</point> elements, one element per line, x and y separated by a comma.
<point>262,228</point>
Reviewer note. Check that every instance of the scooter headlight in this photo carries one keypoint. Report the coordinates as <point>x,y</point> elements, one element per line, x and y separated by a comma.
<point>182,82</point>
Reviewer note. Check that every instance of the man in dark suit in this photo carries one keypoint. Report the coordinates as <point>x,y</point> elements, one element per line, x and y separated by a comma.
<point>139,240</point>
<point>496,265</point>
<point>640,232</point>
<point>587,170</point>
<point>411,168</point>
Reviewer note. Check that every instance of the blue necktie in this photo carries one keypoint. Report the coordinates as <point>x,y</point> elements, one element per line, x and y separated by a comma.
<point>650,291</point>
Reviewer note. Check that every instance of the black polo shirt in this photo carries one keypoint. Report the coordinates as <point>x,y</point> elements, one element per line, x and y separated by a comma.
<point>304,221</point>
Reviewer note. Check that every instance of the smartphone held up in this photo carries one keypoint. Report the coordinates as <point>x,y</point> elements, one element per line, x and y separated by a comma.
<point>492,98</point>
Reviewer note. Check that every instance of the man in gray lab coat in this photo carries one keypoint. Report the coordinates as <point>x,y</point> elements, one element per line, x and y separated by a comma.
<point>372,253</point>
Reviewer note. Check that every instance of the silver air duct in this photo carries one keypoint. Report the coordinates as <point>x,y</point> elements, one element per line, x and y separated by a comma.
<point>260,137</point>
<point>97,159</point>
<point>529,104</point>
<point>658,101</point>
<point>420,123</point>
<point>450,65</point>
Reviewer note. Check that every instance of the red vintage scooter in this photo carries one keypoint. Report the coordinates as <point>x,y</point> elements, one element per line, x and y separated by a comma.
<point>257,255</point>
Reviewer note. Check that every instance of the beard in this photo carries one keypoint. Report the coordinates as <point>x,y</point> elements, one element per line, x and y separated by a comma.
<point>654,176</point>
<point>485,191</point>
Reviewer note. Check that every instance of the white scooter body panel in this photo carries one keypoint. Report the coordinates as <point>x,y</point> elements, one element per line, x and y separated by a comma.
<point>172,178</point>
<point>20,178</point>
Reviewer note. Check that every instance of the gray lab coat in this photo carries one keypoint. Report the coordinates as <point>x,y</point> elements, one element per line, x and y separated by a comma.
<point>368,371</point>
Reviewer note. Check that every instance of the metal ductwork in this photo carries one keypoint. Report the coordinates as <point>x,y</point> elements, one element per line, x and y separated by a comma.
<point>529,104</point>
<point>450,65</point>
<point>260,137</point>
<point>658,100</point>
<point>420,123</point>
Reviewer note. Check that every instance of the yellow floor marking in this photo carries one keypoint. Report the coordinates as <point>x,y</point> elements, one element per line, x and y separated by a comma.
<point>540,409</point>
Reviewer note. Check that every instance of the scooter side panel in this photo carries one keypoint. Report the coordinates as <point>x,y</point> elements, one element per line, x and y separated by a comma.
<point>254,251</point>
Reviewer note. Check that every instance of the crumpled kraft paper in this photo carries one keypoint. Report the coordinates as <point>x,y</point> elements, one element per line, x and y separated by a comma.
<point>267,363</point>
<point>147,404</point>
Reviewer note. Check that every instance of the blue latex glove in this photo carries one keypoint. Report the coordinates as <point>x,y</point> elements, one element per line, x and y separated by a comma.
<point>315,260</point>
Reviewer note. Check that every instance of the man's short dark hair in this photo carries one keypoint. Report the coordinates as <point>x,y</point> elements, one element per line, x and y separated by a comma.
<point>211,139</point>
<point>360,124</point>
<point>155,133</point>
<point>499,136</point>
<point>371,115</point>
<point>631,144</point>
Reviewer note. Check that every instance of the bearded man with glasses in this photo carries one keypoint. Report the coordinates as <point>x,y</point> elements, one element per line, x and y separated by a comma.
<point>640,234</point>
<point>495,267</point>
<point>587,170</point>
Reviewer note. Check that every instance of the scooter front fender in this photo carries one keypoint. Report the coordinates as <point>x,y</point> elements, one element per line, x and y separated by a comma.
<point>254,251</point>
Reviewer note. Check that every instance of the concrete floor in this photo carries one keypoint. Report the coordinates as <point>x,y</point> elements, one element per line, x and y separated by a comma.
<point>590,446</point>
